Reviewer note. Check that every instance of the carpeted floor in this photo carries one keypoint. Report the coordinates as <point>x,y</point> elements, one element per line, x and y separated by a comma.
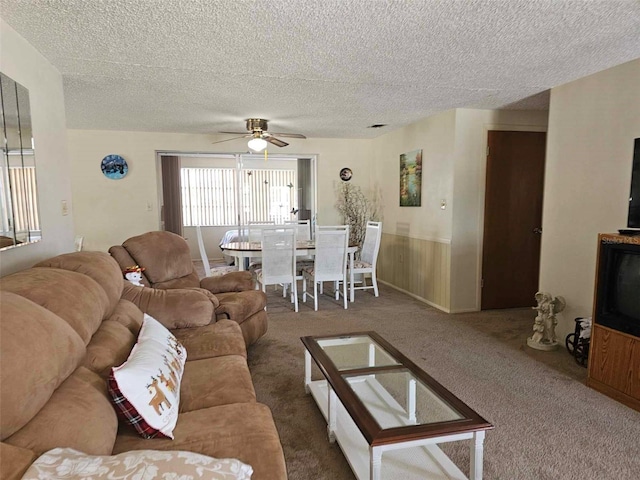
<point>548,424</point>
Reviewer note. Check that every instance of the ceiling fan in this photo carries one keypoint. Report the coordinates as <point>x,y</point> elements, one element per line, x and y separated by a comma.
<point>257,128</point>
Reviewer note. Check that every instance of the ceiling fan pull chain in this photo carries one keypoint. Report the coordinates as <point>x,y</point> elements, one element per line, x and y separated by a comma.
<point>265,154</point>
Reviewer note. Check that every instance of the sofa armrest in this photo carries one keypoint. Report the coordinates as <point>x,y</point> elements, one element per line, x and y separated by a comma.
<point>179,308</point>
<point>230,282</point>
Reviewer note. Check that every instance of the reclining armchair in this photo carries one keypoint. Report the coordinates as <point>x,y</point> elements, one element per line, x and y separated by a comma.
<point>166,259</point>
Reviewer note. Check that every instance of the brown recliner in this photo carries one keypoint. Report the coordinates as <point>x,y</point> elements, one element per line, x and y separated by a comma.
<point>166,259</point>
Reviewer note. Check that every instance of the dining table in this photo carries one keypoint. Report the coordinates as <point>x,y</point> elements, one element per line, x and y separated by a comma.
<point>242,251</point>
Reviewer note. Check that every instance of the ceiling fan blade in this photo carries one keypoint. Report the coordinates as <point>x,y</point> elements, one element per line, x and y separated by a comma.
<point>289,135</point>
<point>238,133</point>
<point>277,142</point>
<point>229,139</point>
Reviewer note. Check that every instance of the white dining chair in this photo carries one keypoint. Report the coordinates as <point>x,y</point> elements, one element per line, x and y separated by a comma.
<point>278,260</point>
<point>203,252</point>
<point>366,264</point>
<point>330,263</point>
<point>254,235</point>
<point>303,229</point>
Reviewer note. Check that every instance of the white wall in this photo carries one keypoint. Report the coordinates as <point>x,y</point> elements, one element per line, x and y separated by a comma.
<point>469,180</point>
<point>592,125</point>
<point>107,212</point>
<point>24,64</point>
<point>435,136</point>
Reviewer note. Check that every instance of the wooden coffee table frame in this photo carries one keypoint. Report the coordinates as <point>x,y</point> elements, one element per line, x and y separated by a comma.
<point>341,396</point>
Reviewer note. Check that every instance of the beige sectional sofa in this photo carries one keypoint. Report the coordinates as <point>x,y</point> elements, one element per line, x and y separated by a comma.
<point>68,320</point>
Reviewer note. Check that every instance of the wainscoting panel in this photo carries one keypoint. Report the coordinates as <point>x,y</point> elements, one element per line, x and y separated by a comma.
<point>417,266</point>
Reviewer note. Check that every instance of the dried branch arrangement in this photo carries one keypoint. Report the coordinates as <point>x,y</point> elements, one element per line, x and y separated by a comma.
<point>356,210</point>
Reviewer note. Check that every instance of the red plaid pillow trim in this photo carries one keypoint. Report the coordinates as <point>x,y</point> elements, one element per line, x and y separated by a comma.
<point>128,413</point>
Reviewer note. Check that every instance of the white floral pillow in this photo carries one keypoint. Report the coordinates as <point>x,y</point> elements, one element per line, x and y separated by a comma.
<point>145,390</point>
<point>69,464</point>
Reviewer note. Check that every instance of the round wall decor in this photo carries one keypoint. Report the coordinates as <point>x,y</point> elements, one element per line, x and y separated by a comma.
<point>346,174</point>
<point>114,166</point>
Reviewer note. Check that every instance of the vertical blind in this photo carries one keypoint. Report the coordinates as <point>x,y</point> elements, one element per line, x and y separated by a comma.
<point>210,196</point>
<point>23,199</point>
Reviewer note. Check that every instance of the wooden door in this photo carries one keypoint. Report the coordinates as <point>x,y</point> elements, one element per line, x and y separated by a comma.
<point>512,219</point>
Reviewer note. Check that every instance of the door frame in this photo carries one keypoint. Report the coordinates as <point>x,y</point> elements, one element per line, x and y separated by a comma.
<point>482,191</point>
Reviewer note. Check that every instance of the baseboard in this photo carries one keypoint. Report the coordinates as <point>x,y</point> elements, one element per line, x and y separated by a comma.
<point>417,297</point>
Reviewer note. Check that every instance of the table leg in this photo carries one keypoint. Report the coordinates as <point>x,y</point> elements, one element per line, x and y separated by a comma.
<point>411,401</point>
<point>240,263</point>
<point>375,463</point>
<point>477,449</point>
<point>307,370</point>
<point>331,426</point>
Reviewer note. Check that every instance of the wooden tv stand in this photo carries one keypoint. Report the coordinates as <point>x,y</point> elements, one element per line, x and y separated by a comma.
<point>614,357</point>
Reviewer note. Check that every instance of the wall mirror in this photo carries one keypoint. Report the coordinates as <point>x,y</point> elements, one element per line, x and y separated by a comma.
<point>19,218</point>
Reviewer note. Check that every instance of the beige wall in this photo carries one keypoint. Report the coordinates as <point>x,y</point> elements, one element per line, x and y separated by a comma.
<point>454,164</point>
<point>469,179</point>
<point>413,234</point>
<point>108,212</point>
<point>20,61</point>
<point>592,125</point>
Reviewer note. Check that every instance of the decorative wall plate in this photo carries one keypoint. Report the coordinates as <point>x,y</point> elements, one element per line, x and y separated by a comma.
<point>346,174</point>
<point>114,167</point>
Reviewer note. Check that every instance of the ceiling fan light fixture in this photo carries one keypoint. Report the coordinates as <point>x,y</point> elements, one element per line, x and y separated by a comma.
<point>257,144</point>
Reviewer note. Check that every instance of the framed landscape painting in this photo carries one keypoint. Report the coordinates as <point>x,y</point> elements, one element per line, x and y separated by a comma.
<point>411,179</point>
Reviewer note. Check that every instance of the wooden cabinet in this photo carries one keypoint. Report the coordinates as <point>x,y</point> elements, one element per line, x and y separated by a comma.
<point>614,365</point>
<point>614,356</point>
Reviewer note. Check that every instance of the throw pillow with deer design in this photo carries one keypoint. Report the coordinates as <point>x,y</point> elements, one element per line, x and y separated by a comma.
<point>146,388</point>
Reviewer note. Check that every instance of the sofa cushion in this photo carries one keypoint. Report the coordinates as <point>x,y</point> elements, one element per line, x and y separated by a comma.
<point>39,351</point>
<point>241,430</point>
<point>56,290</point>
<point>141,464</point>
<point>97,265</point>
<point>214,340</point>
<point>165,255</point>
<point>146,388</point>
<point>78,415</point>
<point>216,381</point>
<point>239,306</point>
<point>14,461</point>
<point>129,315</point>
<point>229,282</point>
<point>109,347</point>
<point>174,308</point>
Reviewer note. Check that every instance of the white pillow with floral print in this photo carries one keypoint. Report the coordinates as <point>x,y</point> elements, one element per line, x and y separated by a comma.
<point>69,464</point>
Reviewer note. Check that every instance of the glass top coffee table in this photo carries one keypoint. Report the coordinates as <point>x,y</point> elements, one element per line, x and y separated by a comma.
<point>376,401</point>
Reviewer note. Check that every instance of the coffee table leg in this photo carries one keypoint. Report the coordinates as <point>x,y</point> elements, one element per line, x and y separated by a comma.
<point>307,370</point>
<point>477,449</point>
<point>375,463</point>
<point>331,427</point>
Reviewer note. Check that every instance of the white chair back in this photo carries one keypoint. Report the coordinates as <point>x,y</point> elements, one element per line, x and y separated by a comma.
<point>203,252</point>
<point>303,229</point>
<point>278,254</point>
<point>371,244</point>
<point>331,253</point>
<point>254,230</point>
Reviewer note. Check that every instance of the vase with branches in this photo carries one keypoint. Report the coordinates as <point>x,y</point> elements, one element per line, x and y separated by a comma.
<point>356,210</point>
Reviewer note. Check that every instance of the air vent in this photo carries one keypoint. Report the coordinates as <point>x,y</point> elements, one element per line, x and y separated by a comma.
<point>377,125</point>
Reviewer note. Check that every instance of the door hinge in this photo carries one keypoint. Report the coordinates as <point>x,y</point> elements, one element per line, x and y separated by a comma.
<point>487,150</point>
<point>482,283</point>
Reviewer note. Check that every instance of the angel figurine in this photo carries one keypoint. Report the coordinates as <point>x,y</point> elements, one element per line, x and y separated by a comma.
<point>544,326</point>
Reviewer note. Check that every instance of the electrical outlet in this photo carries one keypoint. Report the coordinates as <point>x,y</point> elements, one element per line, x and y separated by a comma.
<point>149,207</point>
<point>65,208</point>
<point>443,204</point>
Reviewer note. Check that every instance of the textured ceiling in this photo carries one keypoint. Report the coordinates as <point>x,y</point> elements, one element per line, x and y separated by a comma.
<point>324,68</point>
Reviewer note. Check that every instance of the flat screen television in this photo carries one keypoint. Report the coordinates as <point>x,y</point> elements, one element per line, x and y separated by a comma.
<point>634,197</point>
<point>618,287</point>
